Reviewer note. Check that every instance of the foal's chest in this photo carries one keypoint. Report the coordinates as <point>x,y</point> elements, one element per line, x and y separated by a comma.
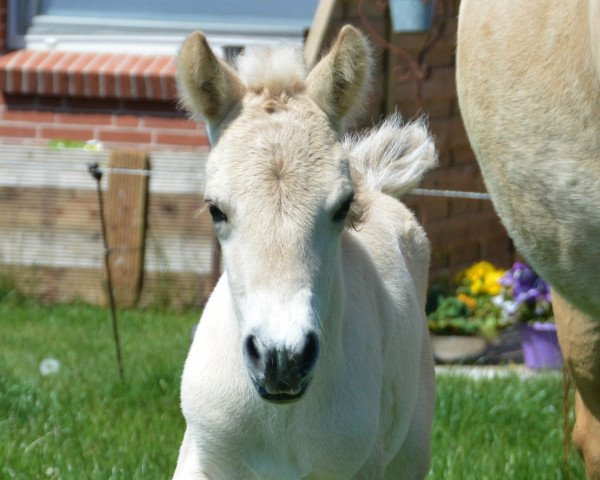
<point>333,445</point>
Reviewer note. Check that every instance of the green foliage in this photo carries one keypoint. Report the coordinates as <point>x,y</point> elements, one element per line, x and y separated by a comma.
<point>453,317</point>
<point>467,308</point>
<point>64,143</point>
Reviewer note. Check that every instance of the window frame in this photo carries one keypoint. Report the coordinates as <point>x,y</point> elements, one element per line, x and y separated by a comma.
<point>133,36</point>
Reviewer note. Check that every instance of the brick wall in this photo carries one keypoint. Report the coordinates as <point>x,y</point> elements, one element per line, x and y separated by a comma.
<point>128,101</point>
<point>122,100</point>
<point>148,125</point>
<point>461,231</point>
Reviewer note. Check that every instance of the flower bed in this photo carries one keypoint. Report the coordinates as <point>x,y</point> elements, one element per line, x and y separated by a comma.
<point>483,300</point>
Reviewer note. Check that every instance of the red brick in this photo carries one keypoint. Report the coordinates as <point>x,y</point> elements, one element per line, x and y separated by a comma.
<point>66,133</point>
<point>483,224</point>
<point>432,208</point>
<point>169,122</point>
<point>45,82</point>
<point>153,86</point>
<point>84,118</point>
<point>169,86</point>
<point>122,84</point>
<point>34,116</point>
<point>91,74</point>
<point>439,257</point>
<point>462,155</point>
<point>458,206</point>
<point>439,128</point>
<point>76,77</point>
<point>126,120</point>
<point>448,231</point>
<point>167,79</point>
<point>444,158</point>
<point>496,246</point>
<point>136,77</point>
<point>108,81</point>
<point>196,139</point>
<point>440,84</point>
<point>17,131</point>
<point>30,74</point>
<point>464,253</point>
<point>154,72</point>
<point>152,107</point>
<point>45,72</point>
<point>124,135</point>
<point>15,72</point>
<point>457,134</point>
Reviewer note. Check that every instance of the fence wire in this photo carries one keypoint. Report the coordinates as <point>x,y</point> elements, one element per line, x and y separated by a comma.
<point>50,238</point>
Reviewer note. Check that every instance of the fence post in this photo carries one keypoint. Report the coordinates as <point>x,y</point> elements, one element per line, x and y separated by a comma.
<point>126,212</point>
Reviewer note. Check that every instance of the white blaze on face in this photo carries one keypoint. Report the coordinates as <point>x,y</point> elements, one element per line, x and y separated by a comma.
<point>279,320</point>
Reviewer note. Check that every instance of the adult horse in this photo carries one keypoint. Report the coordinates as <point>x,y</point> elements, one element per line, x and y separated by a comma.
<point>528,78</point>
<point>312,357</point>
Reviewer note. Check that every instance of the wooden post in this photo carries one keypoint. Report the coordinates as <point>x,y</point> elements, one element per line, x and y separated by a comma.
<point>126,217</point>
<point>318,30</point>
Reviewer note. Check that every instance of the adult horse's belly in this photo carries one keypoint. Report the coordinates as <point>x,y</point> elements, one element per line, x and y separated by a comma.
<point>529,91</point>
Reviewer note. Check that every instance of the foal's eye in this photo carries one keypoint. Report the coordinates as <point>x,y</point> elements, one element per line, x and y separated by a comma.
<point>342,212</point>
<point>216,214</point>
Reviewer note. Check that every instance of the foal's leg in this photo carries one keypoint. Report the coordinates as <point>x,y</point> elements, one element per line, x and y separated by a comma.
<point>413,460</point>
<point>579,337</point>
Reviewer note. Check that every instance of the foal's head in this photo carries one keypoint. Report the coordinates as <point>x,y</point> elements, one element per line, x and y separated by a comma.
<point>280,192</point>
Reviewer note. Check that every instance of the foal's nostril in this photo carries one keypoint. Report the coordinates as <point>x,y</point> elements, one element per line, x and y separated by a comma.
<point>309,354</point>
<point>252,349</point>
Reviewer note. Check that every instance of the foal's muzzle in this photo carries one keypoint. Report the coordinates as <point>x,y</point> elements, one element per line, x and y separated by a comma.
<point>280,374</point>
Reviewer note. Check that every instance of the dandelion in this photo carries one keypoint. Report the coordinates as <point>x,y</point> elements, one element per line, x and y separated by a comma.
<point>49,366</point>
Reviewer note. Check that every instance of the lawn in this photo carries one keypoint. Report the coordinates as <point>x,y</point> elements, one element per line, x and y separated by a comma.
<point>84,423</point>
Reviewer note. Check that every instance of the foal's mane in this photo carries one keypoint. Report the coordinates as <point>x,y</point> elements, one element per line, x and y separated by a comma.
<point>275,72</point>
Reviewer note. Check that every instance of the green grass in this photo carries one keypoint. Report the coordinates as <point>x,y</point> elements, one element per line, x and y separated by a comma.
<point>83,423</point>
<point>501,428</point>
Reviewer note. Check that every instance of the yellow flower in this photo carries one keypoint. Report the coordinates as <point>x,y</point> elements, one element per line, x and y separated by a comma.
<point>482,277</point>
<point>468,301</point>
<point>479,270</point>
<point>476,286</point>
<point>491,282</point>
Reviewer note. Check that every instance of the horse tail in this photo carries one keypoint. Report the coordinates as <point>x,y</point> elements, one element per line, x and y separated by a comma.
<point>392,158</point>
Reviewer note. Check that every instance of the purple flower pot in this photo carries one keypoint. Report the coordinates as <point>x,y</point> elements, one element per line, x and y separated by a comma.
<point>539,342</point>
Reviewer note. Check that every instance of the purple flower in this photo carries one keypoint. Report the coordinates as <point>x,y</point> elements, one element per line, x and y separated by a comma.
<point>530,295</point>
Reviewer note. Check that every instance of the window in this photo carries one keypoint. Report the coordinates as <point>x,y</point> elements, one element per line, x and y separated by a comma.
<point>154,26</point>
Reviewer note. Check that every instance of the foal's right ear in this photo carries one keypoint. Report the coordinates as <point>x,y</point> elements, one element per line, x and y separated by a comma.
<point>338,82</point>
<point>207,86</point>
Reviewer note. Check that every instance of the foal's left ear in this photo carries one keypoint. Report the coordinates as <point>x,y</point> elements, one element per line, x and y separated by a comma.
<point>208,86</point>
<point>338,81</point>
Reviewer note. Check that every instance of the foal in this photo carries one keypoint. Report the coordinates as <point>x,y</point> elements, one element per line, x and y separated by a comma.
<point>312,358</point>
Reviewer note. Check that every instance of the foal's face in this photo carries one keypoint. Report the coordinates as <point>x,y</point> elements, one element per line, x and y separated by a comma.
<point>279,191</point>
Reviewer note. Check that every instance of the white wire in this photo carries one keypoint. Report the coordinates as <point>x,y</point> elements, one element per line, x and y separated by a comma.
<point>68,168</point>
<point>451,194</point>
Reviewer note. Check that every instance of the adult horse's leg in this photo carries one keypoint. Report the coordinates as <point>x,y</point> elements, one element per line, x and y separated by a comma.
<point>579,337</point>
